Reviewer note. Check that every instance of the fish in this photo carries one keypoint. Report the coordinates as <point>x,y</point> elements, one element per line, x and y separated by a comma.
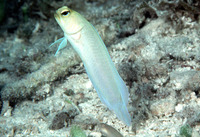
<point>100,69</point>
<point>108,131</point>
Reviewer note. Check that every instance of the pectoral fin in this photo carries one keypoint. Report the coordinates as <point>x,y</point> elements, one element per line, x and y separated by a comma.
<point>57,41</point>
<point>62,44</point>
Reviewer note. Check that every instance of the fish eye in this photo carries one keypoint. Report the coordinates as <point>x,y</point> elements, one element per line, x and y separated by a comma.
<point>65,13</point>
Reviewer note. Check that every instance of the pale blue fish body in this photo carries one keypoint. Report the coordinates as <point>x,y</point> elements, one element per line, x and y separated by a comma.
<point>88,44</point>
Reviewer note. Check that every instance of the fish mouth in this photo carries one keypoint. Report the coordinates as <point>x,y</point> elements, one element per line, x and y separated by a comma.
<point>59,20</point>
<point>56,16</point>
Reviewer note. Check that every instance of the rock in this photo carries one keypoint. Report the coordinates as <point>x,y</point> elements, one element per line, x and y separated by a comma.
<point>59,121</point>
<point>163,106</point>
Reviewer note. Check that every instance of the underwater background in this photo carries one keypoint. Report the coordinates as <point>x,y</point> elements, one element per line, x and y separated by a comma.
<point>154,44</point>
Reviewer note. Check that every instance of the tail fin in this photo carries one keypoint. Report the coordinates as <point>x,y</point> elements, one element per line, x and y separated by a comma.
<point>122,113</point>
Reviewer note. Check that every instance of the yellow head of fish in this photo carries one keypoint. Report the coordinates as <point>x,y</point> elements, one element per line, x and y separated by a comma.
<point>69,20</point>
